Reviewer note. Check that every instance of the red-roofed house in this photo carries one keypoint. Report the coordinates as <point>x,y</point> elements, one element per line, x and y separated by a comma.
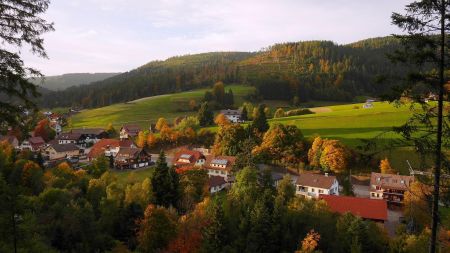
<point>220,166</point>
<point>368,209</point>
<point>390,187</point>
<point>188,157</point>
<point>109,147</point>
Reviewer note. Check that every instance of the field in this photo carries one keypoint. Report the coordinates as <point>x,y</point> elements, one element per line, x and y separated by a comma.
<point>146,110</point>
<point>131,176</point>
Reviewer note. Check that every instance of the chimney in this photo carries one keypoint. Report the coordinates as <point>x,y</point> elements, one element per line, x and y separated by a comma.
<point>326,174</point>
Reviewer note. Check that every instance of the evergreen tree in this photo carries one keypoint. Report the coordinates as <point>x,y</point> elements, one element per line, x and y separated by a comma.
<point>205,115</point>
<point>244,113</point>
<point>260,121</point>
<point>215,233</point>
<point>165,183</point>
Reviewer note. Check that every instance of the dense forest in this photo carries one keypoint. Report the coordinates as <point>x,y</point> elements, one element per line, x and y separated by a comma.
<point>320,70</point>
<point>65,81</point>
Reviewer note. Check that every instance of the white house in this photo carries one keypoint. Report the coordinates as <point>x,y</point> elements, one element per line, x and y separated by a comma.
<point>232,115</point>
<point>220,166</point>
<point>216,184</point>
<point>312,185</point>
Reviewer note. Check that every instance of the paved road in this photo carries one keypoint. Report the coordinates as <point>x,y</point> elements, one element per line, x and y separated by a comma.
<point>169,158</point>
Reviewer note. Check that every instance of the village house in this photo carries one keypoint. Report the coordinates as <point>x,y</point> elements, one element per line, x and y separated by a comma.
<point>312,185</point>
<point>390,187</point>
<point>220,166</point>
<point>186,157</point>
<point>61,151</point>
<point>129,131</point>
<point>108,147</point>
<point>73,138</point>
<point>367,209</point>
<point>33,144</point>
<point>132,158</point>
<point>234,116</point>
<point>216,184</point>
<point>11,139</point>
<point>90,135</point>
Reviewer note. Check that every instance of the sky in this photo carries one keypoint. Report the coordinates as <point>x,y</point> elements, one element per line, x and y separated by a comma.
<point>120,35</point>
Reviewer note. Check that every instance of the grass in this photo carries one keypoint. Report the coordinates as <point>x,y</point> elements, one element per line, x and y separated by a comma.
<point>148,110</point>
<point>132,176</point>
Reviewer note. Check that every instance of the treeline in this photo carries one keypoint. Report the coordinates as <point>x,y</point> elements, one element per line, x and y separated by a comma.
<point>320,70</point>
<point>175,74</point>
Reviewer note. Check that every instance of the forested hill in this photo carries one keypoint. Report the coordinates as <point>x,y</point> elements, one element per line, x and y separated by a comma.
<point>320,70</point>
<point>62,82</point>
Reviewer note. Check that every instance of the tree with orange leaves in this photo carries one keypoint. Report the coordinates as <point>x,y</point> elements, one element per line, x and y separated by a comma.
<point>151,140</point>
<point>310,242</point>
<point>385,167</point>
<point>141,139</point>
<point>43,130</point>
<point>160,124</point>
<point>221,120</point>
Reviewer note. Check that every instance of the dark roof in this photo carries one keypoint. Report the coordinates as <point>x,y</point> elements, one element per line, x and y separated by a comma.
<point>316,180</point>
<point>126,153</point>
<point>64,147</point>
<point>374,209</point>
<point>230,112</point>
<point>391,181</point>
<point>69,136</point>
<point>89,131</point>
<point>36,140</point>
<point>216,181</point>
<point>126,143</point>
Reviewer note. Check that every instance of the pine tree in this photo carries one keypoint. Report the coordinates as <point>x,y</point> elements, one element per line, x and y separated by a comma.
<point>260,120</point>
<point>165,183</point>
<point>205,115</point>
<point>244,114</point>
<point>215,233</point>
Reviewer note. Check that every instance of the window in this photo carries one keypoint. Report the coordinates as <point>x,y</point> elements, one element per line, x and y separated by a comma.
<point>312,189</point>
<point>373,194</point>
<point>403,181</point>
<point>320,191</point>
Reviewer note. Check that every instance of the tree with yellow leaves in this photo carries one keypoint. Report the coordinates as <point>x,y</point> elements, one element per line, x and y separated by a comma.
<point>141,139</point>
<point>151,140</point>
<point>385,167</point>
<point>221,120</point>
<point>160,124</point>
<point>416,202</point>
<point>315,152</point>
<point>334,156</point>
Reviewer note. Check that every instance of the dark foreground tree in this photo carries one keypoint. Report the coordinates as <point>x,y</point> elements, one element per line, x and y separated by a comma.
<point>165,183</point>
<point>20,25</point>
<point>205,115</point>
<point>426,46</point>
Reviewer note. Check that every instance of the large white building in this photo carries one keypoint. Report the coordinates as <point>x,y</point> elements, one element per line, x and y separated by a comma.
<point>312,185</point>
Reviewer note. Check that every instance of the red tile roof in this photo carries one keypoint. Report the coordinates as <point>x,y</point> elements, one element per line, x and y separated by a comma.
<point>132,130</point>
<point>99,147</point>
<point>390,181</point>
<point>211,159</point>
<point>193,155</point>
<point>373,209</point>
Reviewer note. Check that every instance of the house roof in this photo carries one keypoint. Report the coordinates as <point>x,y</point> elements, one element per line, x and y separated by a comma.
<point>64,147</point>
<point>230,160</point>
<point>100,147</point>
<point>374,209</point>
<point>391,181</point>
<point>126,153</point>
<point>229,112</point>
<point>126,143</point>
<point>186,154</point>
<point>9,138</point>
<point>216,181</point>
<point>316,180</point>
<point>36,140</point>
<point>89,131</point>
<point>69,136</point>
<point>132,130</point>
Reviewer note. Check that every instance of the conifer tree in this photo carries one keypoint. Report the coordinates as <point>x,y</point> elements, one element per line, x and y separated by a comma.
<point>260,121</point>
<point>205,115</point>
<point>165,183</point>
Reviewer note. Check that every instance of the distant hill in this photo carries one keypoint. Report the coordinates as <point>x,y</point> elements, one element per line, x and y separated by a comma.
<point>319,70</point>
<point>62,82</point>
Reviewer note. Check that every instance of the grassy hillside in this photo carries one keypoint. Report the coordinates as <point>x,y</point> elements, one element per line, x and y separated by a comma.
<point>146,110</point>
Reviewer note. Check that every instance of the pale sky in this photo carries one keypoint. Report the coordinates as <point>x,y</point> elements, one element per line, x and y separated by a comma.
<point>119,35</point>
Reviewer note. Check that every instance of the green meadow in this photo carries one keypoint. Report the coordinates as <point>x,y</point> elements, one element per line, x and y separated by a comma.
<point>147,110</point>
